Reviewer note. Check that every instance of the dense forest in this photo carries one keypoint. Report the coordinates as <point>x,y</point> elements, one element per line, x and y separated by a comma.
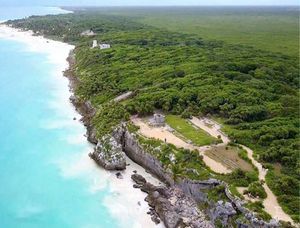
<point>253,92</point>
<point>268,28</point>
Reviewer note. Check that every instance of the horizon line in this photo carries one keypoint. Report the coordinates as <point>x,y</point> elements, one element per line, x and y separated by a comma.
<point>193,5</point>
<point>170,5</point>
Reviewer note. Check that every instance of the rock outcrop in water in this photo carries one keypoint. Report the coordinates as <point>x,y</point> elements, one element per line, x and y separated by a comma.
<point>172,205</point>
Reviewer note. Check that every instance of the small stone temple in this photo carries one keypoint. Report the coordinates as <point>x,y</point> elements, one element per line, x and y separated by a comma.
<point>89,32</point>
<point>158,120</point>
<point>101,46</point>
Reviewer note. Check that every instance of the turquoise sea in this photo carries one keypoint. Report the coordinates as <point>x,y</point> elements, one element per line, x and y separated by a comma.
<point>46,178</point>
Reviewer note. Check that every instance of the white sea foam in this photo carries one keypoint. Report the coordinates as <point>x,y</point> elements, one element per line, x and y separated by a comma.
<point>124,202</point>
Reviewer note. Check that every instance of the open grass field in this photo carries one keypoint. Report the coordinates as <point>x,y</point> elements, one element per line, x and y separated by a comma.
<point>186,129</point>
<point>273,29</point>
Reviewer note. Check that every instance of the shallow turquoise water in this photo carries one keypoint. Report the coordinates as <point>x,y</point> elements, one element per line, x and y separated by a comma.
<point>37,148</point>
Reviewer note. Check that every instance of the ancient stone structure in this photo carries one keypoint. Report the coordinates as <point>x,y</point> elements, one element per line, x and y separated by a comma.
<point>89,32</point>
<point>158,120</point>
<point>95,44</point>
<point>101,46</point>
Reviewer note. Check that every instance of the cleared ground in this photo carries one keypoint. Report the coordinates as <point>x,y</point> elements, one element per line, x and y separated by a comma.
<point>228,156</point>
<point>164,134</point>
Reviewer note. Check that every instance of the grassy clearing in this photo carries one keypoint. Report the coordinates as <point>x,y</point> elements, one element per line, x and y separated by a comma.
<point>229,157</point>
<point>186,129</point>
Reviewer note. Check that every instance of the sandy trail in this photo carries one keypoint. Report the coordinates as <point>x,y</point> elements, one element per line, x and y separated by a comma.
<point>270,203</point>
<point>211,127</point>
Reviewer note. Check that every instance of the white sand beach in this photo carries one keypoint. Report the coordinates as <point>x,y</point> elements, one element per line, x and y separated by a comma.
<point>125,203</point>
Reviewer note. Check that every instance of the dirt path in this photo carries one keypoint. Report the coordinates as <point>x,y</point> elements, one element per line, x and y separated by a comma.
<point>270,203</point>
<point>164,133</point>
<point>211,128</point>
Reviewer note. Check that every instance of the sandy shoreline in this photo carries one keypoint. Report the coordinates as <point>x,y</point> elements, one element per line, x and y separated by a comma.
<point>125,203</point>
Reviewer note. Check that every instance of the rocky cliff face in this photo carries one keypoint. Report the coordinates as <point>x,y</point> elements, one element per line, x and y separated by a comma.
<point>109,154</point>
<point>175,205</point>
<point>172,205</point>
<point>87,111</point>
<point>221,211</point>
<point>193,188</point>
<point>135,152</point>
<point>84,108</point>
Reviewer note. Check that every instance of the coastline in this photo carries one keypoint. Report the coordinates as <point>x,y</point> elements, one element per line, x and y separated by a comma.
<point>123,195</point>
<point>120,198</point>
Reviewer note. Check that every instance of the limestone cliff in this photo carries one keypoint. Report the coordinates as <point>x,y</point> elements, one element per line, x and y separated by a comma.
<point>109,154</point>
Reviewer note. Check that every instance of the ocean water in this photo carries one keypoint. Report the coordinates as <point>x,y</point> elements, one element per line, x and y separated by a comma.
<point>46,177</point>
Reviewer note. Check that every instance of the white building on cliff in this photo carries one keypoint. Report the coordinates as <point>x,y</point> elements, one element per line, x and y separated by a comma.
<point>95,44</point>
<point>104,46</point>
<point>101,46</point>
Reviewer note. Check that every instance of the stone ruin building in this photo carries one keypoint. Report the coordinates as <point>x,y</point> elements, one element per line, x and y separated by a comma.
<point>158,120</point>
